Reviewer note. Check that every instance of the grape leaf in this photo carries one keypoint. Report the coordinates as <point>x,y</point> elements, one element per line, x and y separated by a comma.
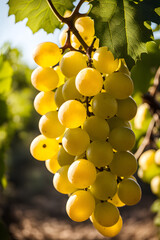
<point>120,25</point>
<point>39,13</point>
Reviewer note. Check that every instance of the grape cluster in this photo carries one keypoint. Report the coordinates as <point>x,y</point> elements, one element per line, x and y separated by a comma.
<point>86,136</point>
<point>149,169</point>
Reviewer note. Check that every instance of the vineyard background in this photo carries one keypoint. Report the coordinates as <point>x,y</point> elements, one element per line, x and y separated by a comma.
<point>30,208</point>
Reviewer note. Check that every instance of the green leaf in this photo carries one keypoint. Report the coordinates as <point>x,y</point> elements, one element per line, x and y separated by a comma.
<point>39,13</point>
<point>120,25</point>
<point>6,72</point>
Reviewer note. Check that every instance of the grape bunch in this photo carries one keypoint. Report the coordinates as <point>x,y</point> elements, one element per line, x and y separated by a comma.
<point>86,137</point>
<point>149,169</point>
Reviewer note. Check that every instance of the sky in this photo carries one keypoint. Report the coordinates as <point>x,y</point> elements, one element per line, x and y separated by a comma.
<point>20,36</point>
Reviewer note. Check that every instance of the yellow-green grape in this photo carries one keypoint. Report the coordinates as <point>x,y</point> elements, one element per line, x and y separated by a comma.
<point>104,105</point>
<point>60,75</point>
<point>141,115</point>
<point>64,158</point>
<point>58,97</point>
<point>127,108</point>
<point>52,165</point>
<point>119,85</point>
<point>106,214</point>
<point>100,153</point>
<point>97,128</point>
<point>80,205</point>
<point>122,138</point>
<point>89,82</point>
<point>108,231</point>
<point>147,159</point>
<point>72,114</point>
<point>47,54</point>
<point>82,173</point>
<point>104,61</point>
<point>157,157</point>
<point>50,126</point>
<point>44,79</point>
<point>122,67</point>
<point>63,37</point>
<point>72,62</point>
<point>69,90</point>
<point>155,185</point>
<point>43,148</point>
<point>123,164</point>
<point>75,141</point>
<point>115,122</point>
<point>116,201</point>
<point>105,185</point>
<point>44,102</point>
<point>85,27</point>
<point>61,182</point>
<point>129,191</point>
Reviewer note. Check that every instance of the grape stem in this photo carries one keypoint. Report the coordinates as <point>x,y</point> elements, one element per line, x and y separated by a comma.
<point>150,99</point>
<point>70,21</point>
<point>148,136</point>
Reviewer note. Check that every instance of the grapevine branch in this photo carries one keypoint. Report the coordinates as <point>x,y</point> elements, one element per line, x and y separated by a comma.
<point>70,21</point>
<point>150,98</point>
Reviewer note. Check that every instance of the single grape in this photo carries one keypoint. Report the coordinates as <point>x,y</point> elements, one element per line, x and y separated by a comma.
<point>72,62</point>
<point>115,200</point>
<point>97,128</point>
<point>129,191</point>
<point>44,79</point>
<point>105,185</point>
<point>127,108</point>
<point>141,115</point>
<point>115,122</point>
<point>69,90</point>
<point>80,205</point>
<point>52,165</point>
<point>108,231</point>
<point>106,214</point>
<point>89,82</point>
<point>61,182</point>
<point>122,138</point>
<point>50,126</point>
<point>104,105</point>
<point>82,173</point>
<point>122,67</point>
<point>47,54</point>
<point>119,85</point>
<point>72,114</point>
<point>147,159</point>
<point>64,158</point>
<point>63,37</point>
<point>104,62</point>
<point>43,148</point>
<point>44,102</point>
<point>157,157</point>
<point>155,185</point>
<point>123,164</point>
<point>60,75</point>
<point>100,153</point>
<point>75,141</point>
<point>85,26</point>
<point>58,97</point>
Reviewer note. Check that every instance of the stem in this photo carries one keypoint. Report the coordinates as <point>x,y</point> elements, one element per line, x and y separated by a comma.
<point>147,137</point>
<point>155,83</point>
<point>70,20</point>
<point>54,10</point>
